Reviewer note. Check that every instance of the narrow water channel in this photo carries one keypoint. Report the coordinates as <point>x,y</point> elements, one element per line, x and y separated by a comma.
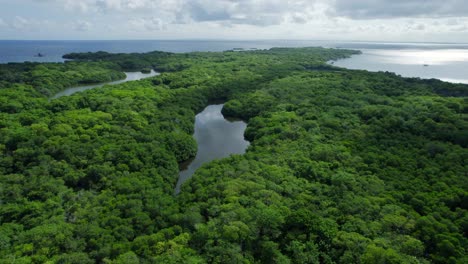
<point>216,137</point>
<point>131,76</point>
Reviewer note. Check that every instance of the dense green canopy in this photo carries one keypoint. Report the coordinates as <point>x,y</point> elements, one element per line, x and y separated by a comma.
<point>344,166</point>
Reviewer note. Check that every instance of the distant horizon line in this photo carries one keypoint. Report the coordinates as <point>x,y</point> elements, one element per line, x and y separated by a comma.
<point>245,40</point>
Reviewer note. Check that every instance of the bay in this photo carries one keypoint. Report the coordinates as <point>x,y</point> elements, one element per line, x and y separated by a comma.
<point>448,63</point>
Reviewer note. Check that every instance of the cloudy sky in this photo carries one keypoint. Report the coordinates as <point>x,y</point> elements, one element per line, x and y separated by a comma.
<point>388,20</point>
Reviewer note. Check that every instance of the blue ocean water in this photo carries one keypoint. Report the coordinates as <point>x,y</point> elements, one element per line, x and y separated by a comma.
<point>426,60</point>
<point>20,51</point>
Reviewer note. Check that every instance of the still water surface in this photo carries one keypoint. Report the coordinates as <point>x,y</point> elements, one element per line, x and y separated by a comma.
<point>131,76</point>
<point>216,137</point>
<point>448,63</point>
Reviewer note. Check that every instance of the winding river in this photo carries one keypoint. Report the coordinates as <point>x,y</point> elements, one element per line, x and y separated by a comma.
<point>216,137</point>
<point>131,76</point>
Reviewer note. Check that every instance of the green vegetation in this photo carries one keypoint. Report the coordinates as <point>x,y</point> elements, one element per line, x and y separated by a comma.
<point>146,70</point>
<point>344,166</point>
<point>128,62</point>
<point>50,78</point>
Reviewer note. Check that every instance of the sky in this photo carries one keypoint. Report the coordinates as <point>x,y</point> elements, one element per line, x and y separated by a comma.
<point>358,20</point>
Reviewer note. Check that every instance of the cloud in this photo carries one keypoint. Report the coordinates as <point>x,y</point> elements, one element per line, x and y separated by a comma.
<point>251,12</point>
<point>82,26</point>
<point>120,5</point>
<point>201,11</point>
<point>298,18</point>
<point>21,23</point>
<point>416,26</point>
<point>462,28</point>
<point>374,9</point>
<point>411,20</point>
<point>147,24</point>
<point>259,12</point>
<point>458,24</point>
<point>267,12</point>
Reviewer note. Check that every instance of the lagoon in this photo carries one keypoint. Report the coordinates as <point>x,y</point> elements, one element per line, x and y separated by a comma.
<point>217,137</point>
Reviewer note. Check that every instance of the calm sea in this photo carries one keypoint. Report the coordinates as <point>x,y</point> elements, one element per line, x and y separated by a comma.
<point>426,60</point>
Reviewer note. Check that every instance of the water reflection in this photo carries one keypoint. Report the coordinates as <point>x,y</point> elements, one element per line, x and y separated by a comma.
<point>445,64</point>
<point>420,57</point>
<point>131,76</point>
<point>216,138</point>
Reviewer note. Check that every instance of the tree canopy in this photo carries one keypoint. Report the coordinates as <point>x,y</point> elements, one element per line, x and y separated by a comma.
<point>344,166</point>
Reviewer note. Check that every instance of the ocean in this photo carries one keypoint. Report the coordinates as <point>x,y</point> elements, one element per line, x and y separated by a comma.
<point>448,62</point>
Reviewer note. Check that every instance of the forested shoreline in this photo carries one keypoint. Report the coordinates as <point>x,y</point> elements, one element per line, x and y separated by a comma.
<point>344,166</point>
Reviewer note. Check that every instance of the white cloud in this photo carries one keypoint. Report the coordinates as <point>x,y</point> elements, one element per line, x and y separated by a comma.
<point>122,5</point>
<point>80,6</point>
<point>82,26</point>
<point>21,23</point>
<point>396,20</point>
<point>148,24</point>
<point>461,28</point>
<point>371,9</point>
<point>258,12</point>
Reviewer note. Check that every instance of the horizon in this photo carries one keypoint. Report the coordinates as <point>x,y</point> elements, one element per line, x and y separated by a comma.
<point>252,40</point>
